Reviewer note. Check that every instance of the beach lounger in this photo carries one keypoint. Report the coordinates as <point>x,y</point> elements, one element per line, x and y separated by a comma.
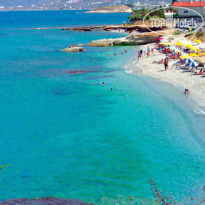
<point>185,67</point>
<point>200,72</point>
<point>176,63</point>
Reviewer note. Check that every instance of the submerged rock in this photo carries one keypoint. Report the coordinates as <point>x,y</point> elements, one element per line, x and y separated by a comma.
<point>43,201</point>
<point>75,49</point>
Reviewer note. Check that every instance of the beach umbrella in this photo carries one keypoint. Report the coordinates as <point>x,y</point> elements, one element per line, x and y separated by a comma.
<point>184,56</point>
<point>198,52</point>
<point>177,51</point>
<point>197,41</point>
<point>178,43</point>
<point>193,64</point>
<point>168,44</point>
<point>193,54</point>
<point>194,48</point>
<point>172,48</point>
<point>188,46</point>
<point>189,61</point>
<point>203,54</point>
<point>187,65</point>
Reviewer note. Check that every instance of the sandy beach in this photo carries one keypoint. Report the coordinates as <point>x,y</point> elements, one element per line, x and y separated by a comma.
<point>175,76</point>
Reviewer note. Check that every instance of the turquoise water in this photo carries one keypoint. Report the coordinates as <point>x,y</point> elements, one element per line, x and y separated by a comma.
<point>68,136</point>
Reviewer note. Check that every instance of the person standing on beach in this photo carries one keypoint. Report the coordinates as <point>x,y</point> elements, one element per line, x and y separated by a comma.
<point>166,64</point>
<point>148,49</point>
<point>141,52</point>
<point>186,91</point>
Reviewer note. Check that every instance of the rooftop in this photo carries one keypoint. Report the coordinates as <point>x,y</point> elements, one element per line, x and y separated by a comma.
<point>189,4</point>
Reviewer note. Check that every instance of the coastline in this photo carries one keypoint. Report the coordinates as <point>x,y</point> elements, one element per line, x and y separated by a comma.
<point>174,76</point>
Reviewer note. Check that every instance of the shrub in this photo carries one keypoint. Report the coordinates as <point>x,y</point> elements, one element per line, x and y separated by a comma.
<point>177,32</point>
<point>188,34</point>
<point>199,34</point>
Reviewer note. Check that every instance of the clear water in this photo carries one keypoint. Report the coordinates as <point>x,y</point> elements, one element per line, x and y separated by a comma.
<point>68,136</point>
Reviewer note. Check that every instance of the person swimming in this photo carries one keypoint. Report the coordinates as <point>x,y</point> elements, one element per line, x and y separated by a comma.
<point>103,83</point>
<point>186,91</point>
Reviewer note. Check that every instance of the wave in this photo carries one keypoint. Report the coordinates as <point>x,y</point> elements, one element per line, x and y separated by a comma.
<point>199,111</point>
<point>129,71</point>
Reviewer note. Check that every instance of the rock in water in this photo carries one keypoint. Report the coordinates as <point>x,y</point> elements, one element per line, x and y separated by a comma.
<point>75,49</point>
<point>133,39</point>
<point>43,201</point>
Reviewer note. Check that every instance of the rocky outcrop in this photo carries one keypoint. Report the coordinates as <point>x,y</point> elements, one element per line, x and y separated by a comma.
<point>75,49</point>
<point>85,28</point>
<point>112,9</point>
<point>43,201</point>
<point>134,39</point>
<point>128,28</point>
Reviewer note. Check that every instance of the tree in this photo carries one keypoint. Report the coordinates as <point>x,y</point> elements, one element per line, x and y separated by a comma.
<point>130,5</point>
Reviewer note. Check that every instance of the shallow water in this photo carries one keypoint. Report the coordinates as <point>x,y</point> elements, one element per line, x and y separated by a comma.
<point>68,136</point>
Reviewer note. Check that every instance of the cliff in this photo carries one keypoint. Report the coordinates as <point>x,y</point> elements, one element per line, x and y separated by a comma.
<point>112,9</point>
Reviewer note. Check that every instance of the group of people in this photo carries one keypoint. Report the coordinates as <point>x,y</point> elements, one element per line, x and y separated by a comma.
<point>103,84</point>
<point>146,53</point>
<point>72,46</point>
<point>120,53</point>
<point>165,61</point>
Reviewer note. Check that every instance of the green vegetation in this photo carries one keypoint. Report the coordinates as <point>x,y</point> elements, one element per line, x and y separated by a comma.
<point>199,34</point>
<point>139,14</point>
<point>177,32</point>
<point>130,5</point>
<point>174,1</point>
<point>188,34</point>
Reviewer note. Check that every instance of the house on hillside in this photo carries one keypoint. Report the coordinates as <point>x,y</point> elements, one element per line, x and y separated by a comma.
<point>184,12</point>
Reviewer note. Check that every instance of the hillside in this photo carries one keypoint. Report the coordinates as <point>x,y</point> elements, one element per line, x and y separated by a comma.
<point>112,9</point>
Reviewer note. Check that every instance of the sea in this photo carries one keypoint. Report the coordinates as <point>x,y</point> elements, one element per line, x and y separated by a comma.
<point>66,135</point>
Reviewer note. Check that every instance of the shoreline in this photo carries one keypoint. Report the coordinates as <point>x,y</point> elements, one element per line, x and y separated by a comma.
<point>175,77</point>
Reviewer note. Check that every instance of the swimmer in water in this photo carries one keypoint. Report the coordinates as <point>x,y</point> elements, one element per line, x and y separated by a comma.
<point>103,83</point>
<point>111,89</point>
<point>186,91</point>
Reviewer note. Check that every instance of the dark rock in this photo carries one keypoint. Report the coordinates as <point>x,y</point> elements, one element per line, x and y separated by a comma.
<point>43,201</point>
